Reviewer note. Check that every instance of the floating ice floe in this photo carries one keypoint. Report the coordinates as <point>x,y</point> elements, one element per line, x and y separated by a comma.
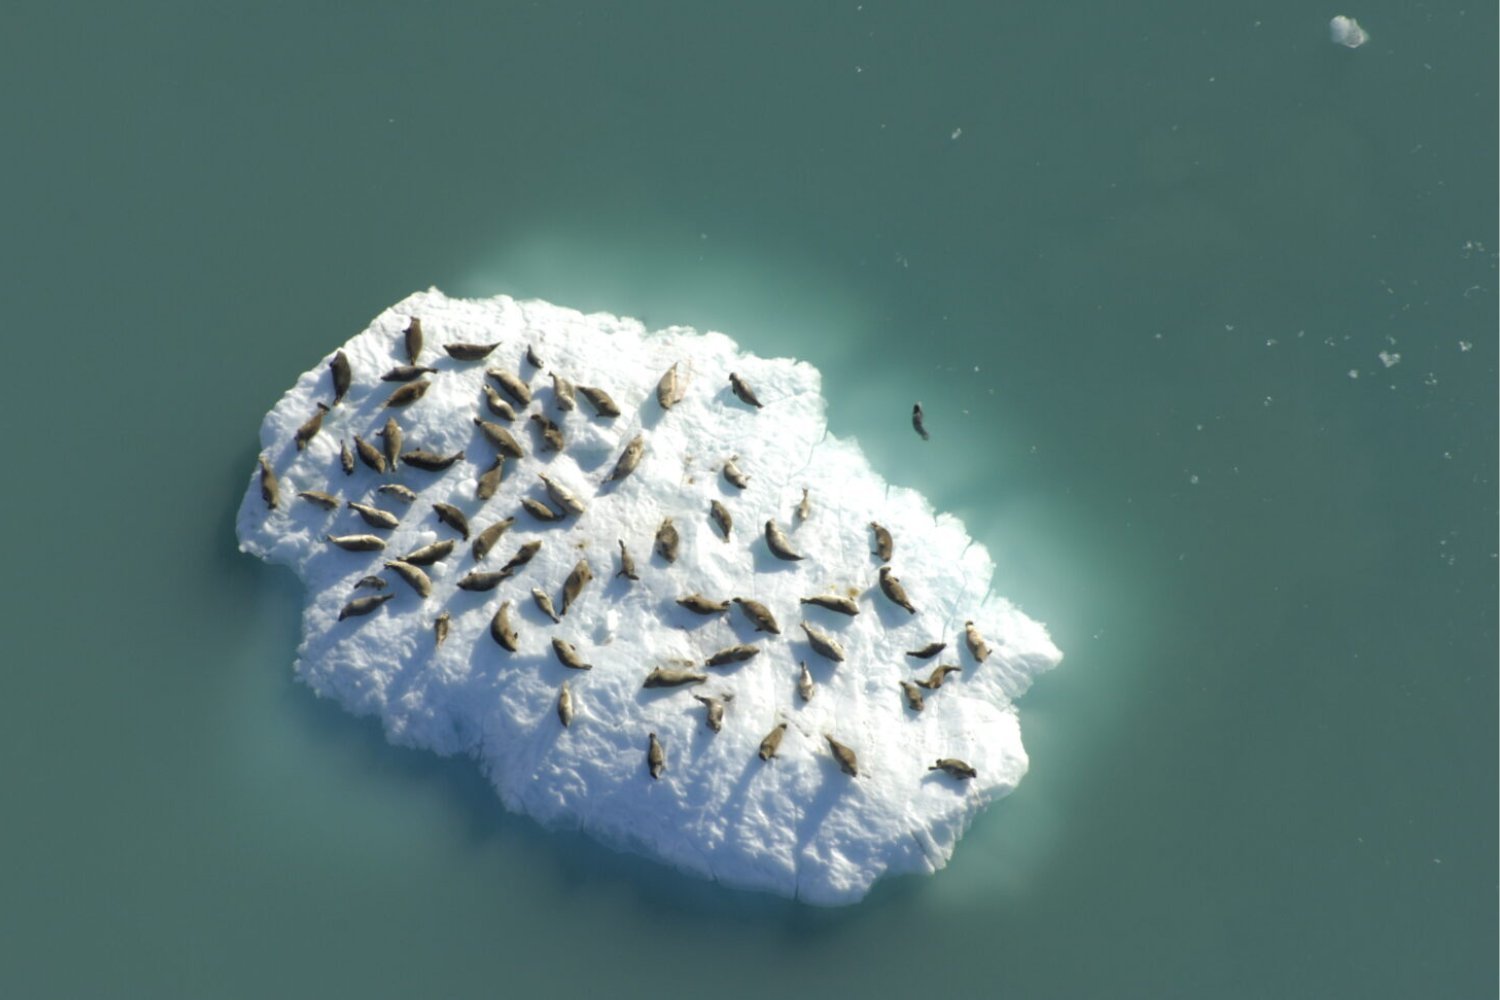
<point>1347,32</point>
<point>422,640</point>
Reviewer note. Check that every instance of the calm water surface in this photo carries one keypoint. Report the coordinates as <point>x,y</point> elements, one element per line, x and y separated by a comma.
<point>1139,264</point>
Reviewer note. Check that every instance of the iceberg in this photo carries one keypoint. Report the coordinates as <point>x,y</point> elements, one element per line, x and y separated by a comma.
<point>1346,31</point>
<point>466,584</point>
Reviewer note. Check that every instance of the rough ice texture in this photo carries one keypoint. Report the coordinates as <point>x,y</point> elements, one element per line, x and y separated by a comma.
<point>796,825</point>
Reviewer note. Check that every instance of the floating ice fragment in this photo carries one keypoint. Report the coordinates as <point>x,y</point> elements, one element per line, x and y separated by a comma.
<point>1347,32</point>
<point>480,669</point>
<point>1390,358</point>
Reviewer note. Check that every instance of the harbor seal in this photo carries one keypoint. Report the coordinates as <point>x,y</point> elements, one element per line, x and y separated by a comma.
<point>325,500</point>
<point>663,677</point>
<point>913,696</point>
<point>539,510</point>
<point>670,389</point>
<point>440,629</point>
<point>890,585</point>
<point>627,563</point>
<point>391,438</point>
<point>532,358</point>
<point>918,422</point>
<point>565,705</point>
<point>656,757</point>
<point>721,517</point>
<point>523,556</point>
<point>489,482</point>
<point>568,656</point>
<point>822,643</point>
<point>544,603</point>
<point>731,654</point>
<point>478,580</point>
<point>562,393</point>
<point>772,741</point>
<point>429,554</point>
<point>408,393</point>
<point>470,352</point>
<point>346,458</point>
<point>368,454</point>
<point>413,339</point>
<point>698,604</point>
<point>453,518</point>
<point>270,487</point>
<point>496,405</point>
<point>848,762</point>
<point>552,435</point>
<point>977,646</point>
<point>560,494</point>
<point>884,545</point>
<point>928,651</point>
<point>714,716</point>
<point>407,373</point>
<point>374,516</point>
<point>600,400</point>
<point>429,461</point>
<point>629,459</point>
<point>363,605</point>
<point>403,493</point>
<point>310,429</point>
<point>343,376</point>
<point>780,545</point>
<point>502,440</point>
<point>939,674</point>
<point>413,575</point>
<point>357,543</point>
<point>576,581</point>
<point>733,475</point>
<point>667,540</point>
<point>486,539</point>
<point>371,582</point>
<point>501,629</point>
<point>513,387</point>
<point>833,602</point>
<point>760,616</point>
<point>954,768</point>
<point>742,389</point>
<point>805,686</point>
<point>804,508</point>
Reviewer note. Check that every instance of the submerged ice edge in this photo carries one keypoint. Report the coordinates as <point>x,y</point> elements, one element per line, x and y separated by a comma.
<point>795,825</point>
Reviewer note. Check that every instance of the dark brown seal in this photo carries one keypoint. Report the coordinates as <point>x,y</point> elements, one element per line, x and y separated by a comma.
<point>884,545</point>
<point>629,459</point>
<point>479,581</point>
<point>918,421</point>
<point>760,616</point>
<point>408,393</point>
<point>779,544</point>
<point>939,674</point>
<point>667,540</point>
<point>504,442</point>
<point>574,584</point>
<point>742,389</point>
<point>721,517</point>
<point>429,461</point>
<point>325,500</point>
<point>407,373</point>
<point>310,429</point>
<point>363,605</point>
<point>429,554</point>
<point>489,482</point>
<point>343,376</point>
<point>501,630</point>
<point>772,741</point>
<point>890,585</point>
<point>523,556</point>
<point>928,651</point>
<point>270,488</point>
<point>391,438</point>
<point>552,435</point>
<point>848,763</point>
<point>440,629</point>
<point>698,604</point>
<point>453,518</point>
<point>600,400</point>
<point>470,352</point>
<point>539,510</point>
<point>413,339</point>
<point>486,539</point>
<point>954,768</point>
<point>731,654</point>
<point>368,454</point>
<point>568,656</point>
<point>663,677</point>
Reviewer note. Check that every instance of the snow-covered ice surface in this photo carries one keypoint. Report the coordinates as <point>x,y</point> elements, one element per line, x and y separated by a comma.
<point>796,825</point>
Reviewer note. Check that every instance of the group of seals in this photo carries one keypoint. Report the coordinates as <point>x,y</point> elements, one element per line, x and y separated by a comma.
<point>416,379</point>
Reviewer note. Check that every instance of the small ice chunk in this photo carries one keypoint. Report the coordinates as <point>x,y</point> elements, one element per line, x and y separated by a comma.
<point>1390,358</point>
<point>799,824</point>
<point>1347,32</point>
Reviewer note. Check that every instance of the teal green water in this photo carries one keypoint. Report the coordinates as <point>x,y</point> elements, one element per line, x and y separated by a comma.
<point>1130,292</point>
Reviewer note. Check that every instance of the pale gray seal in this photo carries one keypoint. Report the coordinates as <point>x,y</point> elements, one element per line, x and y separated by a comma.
<point>731,654</point>
<point>413,575</point>
<point>939,674</point>
<point>666,540</point>
<point>343,376</point>
<point>470,352</point>
<point>884,545</point>
<point>600,400</point>
<point>805,683</point>
<point>346,458</point>
<point>760,616</point>
<point>977,646</point>
<point>374,516</point>
<point>742,389</point>
<point>917,421</point>
<point>270,488</point>
<point>552,435</point>
<point>544,603</point>
<point>480,580</point>
<point>574,584</point>
<point>310,429</point>
<point>501,629</point>
<point>928,651</point>
<point>370,582</point>
<point>721,517</point>
<point>357,543</point>
<point>772,741</point>
<point>780,545</point>
<point>440,629</point>
<point>804,508</point>
<point>822,643</point>
<point>429,461</point>
<point>408,393</point>
<point>734,476</point>
<point>562,393</point>
<point>403,493</point>
<point>539,510</point>
<point>714,717</point>
<point>486,485</point>
<point>568,656</point>
<point>560,494</point>
<point>369,454</point>
<point>486,539</point>
<point>913,696</point>
<point>663,677</point>
<point>413,339</point>
<point>629,459</point>
<point>699,604</point>
<point>453,518</point>
<point>429,554</point>
<point>407,373</point>
<point>954,768</point>
<point>325,500</point>
<point>513,387</point>
<point>497,406</point>
<point>670,389</point>
<point>532,358</point>
<point>565,705</point>
<point>833,602</point>
<point>890,585</point>
<point>363,605</point>
<point>627,564</point>
<point>391,438</point>
<point>848,763</point>
<point>656,757</point>
<point>504,442</point>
